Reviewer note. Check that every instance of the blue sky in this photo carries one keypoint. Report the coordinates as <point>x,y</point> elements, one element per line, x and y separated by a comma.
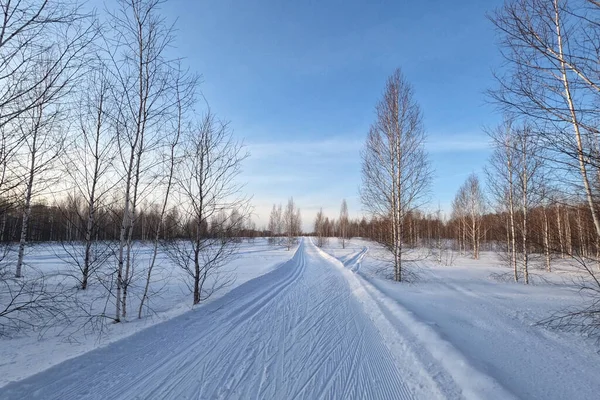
<point>299,81</point>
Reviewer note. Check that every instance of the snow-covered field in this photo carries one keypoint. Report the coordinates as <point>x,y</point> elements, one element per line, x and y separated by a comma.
<point>325,324</point>
<point>30,352</point>
<point>478,335</point>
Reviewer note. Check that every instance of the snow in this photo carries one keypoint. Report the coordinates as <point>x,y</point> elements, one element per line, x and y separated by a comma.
<point>325,324</point>
<point>479,336</point>
<point>29,353</point>
<point>295,332</point>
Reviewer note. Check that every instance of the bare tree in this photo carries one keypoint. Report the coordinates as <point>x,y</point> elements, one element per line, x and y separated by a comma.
<point>546,233</point>
<point>395,170</point>
<point>42,45</point>
<point>143,89</point>
<point>298,223</point>
<point>44,144</point>
<point>471,203</point>
<point>209,193</point>
<point>280,224</point>
<point>31,303</point>
<point>343,221</point>
<point>501,180</point>
<point>275,223</point>
<point>89,165</point>
<point>530,185</point>
<point>185,86</point>
<point>292,223</point>
<point>320,228</point>
<point>516,177</point>
<point>42,53</point>
<point>551,76</point>
<point>55,32</point>
<point>459,213</point>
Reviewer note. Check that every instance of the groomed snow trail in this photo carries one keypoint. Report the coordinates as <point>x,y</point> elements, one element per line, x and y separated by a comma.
<point>477,337</point>
<point>297,332</point>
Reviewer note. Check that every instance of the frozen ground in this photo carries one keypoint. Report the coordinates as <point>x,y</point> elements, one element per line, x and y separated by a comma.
<point>27,353</point>
<point>325,325</point>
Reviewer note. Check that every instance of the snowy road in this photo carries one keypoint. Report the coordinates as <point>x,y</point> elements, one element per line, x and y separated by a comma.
<point>319,327</point>
<point>298,332</point>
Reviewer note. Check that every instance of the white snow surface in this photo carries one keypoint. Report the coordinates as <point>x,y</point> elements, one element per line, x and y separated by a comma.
<point>297,332</point>
<point>29,353</point>
<point>479,337</point>
<point>326,325</point>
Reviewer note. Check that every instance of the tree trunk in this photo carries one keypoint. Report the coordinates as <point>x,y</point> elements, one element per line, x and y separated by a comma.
<point>581,157</point>
<point>3,226</point>
<point>568,234</point>
<point>546,239</point>
<point>513,255</point>
<point>582,242</point>
<point>27,206</point>
<point>91,213</point>
<point>197,269</point>
<point>122,240</point>
<point>560,231</point>
<point>525,206</point>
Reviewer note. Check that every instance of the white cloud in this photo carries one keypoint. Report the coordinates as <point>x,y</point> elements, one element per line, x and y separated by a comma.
<point>313,148</point>
<point>341,146</point>
<point>457,143</point>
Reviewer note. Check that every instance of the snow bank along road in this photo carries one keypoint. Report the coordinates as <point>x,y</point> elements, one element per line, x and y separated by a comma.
<point>310,329</point>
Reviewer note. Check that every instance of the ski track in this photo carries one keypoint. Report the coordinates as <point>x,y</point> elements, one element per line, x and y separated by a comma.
<point>473,344</point>
<point>298,332</point>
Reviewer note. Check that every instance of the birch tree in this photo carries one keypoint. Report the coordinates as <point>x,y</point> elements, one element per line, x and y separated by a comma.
<point>530,185</point>
<point>292,223</point>
<point>459,214</point>
<point>275,224</point>
<point>343,222</point>
<point>395,170</point>
<point>501,181</point>
<point>88,164</point>
<point>551,76</point>
<point>185,86</point>
<point>471,201</point>
<point>44,144</point>
<point>209,192</point>
<point>279,222</point>
<point>546,233</point>
<point>516,175</point>
<point>43,48</point>
<point>298,223</point>
<point>143,89</point>
<point>320,228</point>
<point>54,33</point>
